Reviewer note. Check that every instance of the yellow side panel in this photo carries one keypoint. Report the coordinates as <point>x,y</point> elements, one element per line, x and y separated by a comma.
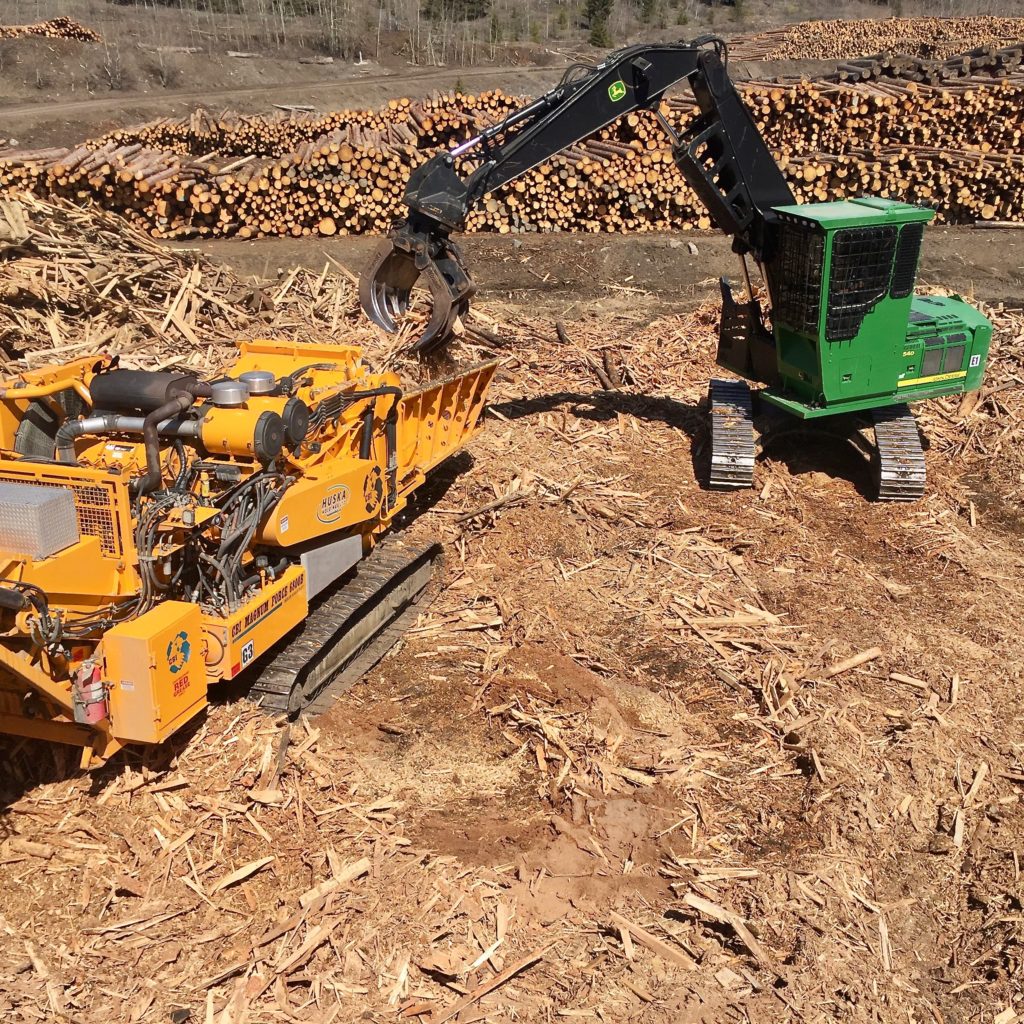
<point>334,496</point>
<point>80,571</point>
<point>154,665</point>
<point>235,642</point>
<point>438,419</point>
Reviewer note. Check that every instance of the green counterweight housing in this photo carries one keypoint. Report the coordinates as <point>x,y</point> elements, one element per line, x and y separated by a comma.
<point>849,332</point>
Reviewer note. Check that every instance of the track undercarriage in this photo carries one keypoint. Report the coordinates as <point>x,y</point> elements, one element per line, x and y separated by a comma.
<point>742,426</point>
<point>347,631</point>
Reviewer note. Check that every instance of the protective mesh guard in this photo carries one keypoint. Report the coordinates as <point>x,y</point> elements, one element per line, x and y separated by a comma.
<point>861,270</point>
<point>904,272</point>
<point>95,503</point>
<point>795,277</point>
<point>36,521</point>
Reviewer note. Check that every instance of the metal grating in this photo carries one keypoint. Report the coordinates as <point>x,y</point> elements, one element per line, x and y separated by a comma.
<point>904,271</point>
<point>794,276</point>
<point>861,270</point>
<point>95,507</point>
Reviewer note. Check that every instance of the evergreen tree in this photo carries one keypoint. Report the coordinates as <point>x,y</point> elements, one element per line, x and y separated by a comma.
<point>598,12</point>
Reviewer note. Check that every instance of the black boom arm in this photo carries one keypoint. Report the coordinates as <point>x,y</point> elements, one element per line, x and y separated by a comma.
<point>722,155</point>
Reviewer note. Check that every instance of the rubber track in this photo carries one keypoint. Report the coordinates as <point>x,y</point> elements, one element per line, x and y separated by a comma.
<point>732,435</point>
<point>387,584</point>
<point>900,464</point>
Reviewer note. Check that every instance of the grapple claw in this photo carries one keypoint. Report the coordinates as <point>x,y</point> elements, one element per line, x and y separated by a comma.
<point>398,263</point>
<point>385,285</point>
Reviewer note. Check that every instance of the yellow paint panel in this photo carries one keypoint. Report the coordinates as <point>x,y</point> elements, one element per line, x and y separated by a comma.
<point>155,668</point>
<point>958,375</point>
<point>235,642</point>
<point>336,496</point>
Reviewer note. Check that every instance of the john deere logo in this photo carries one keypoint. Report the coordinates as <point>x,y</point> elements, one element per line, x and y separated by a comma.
<point>617,91</point>
<point>178,651</point>
<point>333,502</point>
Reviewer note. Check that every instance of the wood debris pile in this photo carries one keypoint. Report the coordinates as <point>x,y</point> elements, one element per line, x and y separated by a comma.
<point>844,38</point>
<point>957,148</point>
<point>56,28</point>
<point>652,753</point>
<point>76,280</point>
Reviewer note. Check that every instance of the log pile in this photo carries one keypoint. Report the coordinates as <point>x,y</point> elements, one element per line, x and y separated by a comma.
<point>956,148</point>
<point>990,60</point>
<point>56,28</point>
<point>436,120</point>
<point>839,39</point>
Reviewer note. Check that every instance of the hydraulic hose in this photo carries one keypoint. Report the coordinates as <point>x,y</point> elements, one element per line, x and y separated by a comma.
<point>390,434</point>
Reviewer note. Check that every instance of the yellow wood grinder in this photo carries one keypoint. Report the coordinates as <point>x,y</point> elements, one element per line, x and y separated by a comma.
<point>160,533</point>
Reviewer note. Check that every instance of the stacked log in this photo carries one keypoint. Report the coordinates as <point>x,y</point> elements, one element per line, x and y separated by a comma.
<point>436,120</point>
<point>840,39</point>
<point>982,60</point>
<point>344,173</point>
<point>56,28</point>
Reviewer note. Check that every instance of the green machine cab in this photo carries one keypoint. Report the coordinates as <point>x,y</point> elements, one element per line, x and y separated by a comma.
<point>848,336</point>
<point>849,332</point>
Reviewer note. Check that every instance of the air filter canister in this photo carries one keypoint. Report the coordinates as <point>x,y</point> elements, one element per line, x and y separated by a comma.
<point>36,521</point>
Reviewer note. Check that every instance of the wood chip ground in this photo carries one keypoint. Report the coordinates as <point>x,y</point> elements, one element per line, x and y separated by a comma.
<point>651,754</point>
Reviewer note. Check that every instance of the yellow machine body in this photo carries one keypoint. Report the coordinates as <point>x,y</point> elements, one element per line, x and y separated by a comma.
<point>103,644</point>
<point>155,671</point>
<point>236,642</point>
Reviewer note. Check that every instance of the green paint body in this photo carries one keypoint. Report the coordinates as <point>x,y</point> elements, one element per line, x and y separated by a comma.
<point>834,356</point>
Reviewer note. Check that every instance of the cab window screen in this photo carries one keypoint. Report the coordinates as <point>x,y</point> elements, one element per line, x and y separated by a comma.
<point>794,275</point>
<point>861,269</point>
<point>904,270</point>
<point>954,358</point>
<point>932,363</point>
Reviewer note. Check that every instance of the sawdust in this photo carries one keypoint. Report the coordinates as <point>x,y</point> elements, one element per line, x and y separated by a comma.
<point>617,771</point>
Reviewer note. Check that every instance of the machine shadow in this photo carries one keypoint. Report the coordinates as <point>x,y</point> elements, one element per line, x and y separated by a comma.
<point>29,764</point>
<point>437,485</point>
<point>802,448</point>
<point>805,448</point>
